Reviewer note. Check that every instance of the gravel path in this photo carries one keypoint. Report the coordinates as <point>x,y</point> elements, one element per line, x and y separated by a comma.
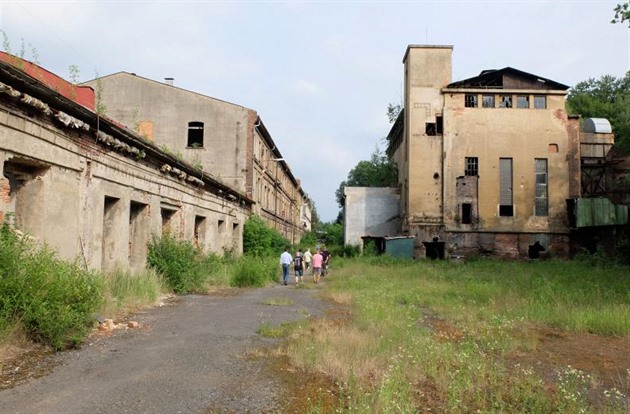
<point>186,358</point>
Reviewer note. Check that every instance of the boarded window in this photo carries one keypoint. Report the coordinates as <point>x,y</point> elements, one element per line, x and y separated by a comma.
<point>522,101</point>
<point>470,100</point>
<point>540,102</point>
<point>472,166</point>
<point>487,101</point>
<point>506,101</point>
<point>542,202</point>
<point>195,134</point>
<point>506,207</point>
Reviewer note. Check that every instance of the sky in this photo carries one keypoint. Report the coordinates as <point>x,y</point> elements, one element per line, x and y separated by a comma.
<point>320,74</point>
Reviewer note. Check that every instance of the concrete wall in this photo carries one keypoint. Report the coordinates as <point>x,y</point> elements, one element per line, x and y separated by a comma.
<point>370,211</point>
<point>163,113</point>
<point>237,149</point>
<point>87,201</point>
<point>440,132</point>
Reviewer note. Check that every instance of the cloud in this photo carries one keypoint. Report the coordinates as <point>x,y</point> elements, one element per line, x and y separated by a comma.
<point>306,89</point>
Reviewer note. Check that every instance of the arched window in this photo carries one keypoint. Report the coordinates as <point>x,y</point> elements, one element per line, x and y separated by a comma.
<point>195,134</point>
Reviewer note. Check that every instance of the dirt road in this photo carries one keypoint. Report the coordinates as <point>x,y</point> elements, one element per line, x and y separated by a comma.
<point>189,357</point>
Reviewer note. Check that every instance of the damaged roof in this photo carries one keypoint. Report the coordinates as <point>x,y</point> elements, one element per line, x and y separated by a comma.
<point>508,78</point>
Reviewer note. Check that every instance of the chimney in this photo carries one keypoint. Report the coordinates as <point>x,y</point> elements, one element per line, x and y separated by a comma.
<point>169,81</point>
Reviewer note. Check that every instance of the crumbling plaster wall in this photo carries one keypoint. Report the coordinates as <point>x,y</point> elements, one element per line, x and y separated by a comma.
<point>135,101</point>
<point>65,206</point>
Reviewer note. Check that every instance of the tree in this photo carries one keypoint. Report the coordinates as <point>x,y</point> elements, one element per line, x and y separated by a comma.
<point>607,97</point>
<point>622,13</point>
<point>379,171</point>
<point>393,110</point>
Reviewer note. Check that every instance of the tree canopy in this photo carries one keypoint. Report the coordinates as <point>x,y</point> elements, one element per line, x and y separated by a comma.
<point>622,13</point>
<point>607,97</point>
<point>378,171</point>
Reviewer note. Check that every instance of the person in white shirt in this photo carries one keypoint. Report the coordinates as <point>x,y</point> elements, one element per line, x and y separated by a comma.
<point>285,261</point>
<point>307,260</point>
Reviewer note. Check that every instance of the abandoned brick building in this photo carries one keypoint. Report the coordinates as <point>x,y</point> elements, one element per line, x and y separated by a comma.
<point>91,188</point>
<point>488,163</point>
<point>227,140</point>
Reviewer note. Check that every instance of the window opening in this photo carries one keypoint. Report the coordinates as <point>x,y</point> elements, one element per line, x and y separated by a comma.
<point>111,231</point>
<point>195,134</point>
<point>541,199</point>
<point>199,234</point>
<point>430,128</point>
<point>505,187</point>
<point>138,234</point>
<point>522,101</point>
<point>487,101</point>
<point>472,166</point>
<point>470,100</point>
<point>506,101</point>
<point>466,213</point>
<point>439,125</point>
<point>167,218</point>
<point>540,102</point>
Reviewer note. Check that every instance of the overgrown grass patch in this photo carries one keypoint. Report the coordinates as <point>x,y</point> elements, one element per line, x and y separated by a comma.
<point>254,271</point>
<point>281,301</point>
<point>52,299</point>
<point>437,334</point>
<point>280,331</point>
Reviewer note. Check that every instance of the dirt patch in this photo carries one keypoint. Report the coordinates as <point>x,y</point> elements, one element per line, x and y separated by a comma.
<point>19,365</point>
<point>606,359</point>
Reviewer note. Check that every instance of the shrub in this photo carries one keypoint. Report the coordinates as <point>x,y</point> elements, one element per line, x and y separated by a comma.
<point>259,240</point>
<point>54,300</point>
<point>254,271</point>
<point>178,262</point>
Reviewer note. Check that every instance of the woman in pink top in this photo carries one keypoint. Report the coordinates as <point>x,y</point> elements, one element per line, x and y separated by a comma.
<point>317,266</point>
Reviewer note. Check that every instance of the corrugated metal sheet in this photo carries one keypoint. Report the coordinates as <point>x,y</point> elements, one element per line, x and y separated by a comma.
<point>401,247</point>
<point>590,212</point>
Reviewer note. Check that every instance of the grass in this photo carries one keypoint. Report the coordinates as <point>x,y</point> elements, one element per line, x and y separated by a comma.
<point>438,335</point>
<point>282,301</point>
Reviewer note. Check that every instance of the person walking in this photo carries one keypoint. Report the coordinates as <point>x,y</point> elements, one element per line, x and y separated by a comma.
<point>317,266</point>
<point>298,266</point>
<point>285,262</point>
<point>307,260</point>
<point>325,261</point>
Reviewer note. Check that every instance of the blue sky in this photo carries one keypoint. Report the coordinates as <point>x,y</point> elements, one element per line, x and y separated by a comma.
<point>320,74</point>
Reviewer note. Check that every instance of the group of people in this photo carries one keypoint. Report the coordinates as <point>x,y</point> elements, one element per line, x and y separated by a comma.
<point>302,263</point>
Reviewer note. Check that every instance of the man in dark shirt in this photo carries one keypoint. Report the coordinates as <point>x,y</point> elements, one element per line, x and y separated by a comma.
<point>326,256</point>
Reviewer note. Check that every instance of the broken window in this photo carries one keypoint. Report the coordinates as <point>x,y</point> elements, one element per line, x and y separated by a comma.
<point>470,100</point>
<point>505,187</point>
<point>522,101</point>
<point>466,213</point>
<point>472,166</point>
<point>540,102</point>
<point>506,101</point>
<point>487,101</point>
<point>542,203</point>
<point>430,128</point>
<point>195,134</point>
